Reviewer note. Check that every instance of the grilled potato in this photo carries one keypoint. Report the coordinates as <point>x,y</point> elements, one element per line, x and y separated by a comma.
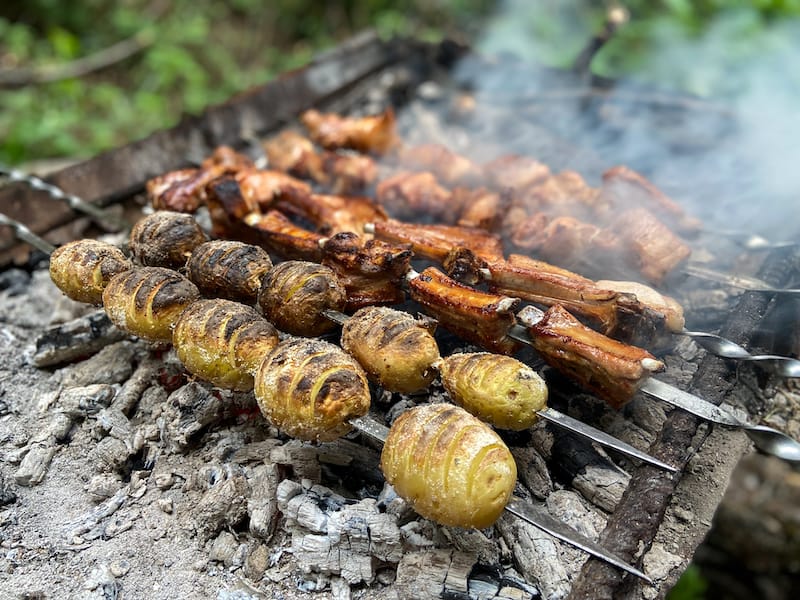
<point>309,389</point>
<point>495,388</point>
<point>451,467</point>
<point>294,294</point>
<point>146,302</point>
<point>228,269</point>
<point>166,239</point>
<point>83,268</point>
<point>223,342</point>
<point>392,346</point>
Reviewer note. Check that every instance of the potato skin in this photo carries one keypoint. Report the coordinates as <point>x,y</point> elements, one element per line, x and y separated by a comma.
<point>147,301</point>
<point>451,467</point>
<point>294,294</point>
<point>495,388</point>
<point>83,268</point>
<point>228,269</point>
<point>310,389</point>
<point>223,342</point>
<point>392,346</point>
<point>166,239</point>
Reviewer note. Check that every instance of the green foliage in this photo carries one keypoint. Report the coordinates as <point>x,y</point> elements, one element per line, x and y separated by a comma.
<point>691,586</point>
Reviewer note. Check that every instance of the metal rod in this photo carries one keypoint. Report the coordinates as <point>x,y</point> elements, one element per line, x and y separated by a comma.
<point>526,511</point>
<point>26,235</point>
<point>750,284</point>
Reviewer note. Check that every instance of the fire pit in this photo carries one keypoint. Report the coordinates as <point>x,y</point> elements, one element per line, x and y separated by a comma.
<point>176,490</point>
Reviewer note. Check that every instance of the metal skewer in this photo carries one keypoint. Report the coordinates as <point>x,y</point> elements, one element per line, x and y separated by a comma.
<point>98,215</point>
<point>750,284</point>
<point>562,420</point>
<point>524,510</point>
<point>753,241</point>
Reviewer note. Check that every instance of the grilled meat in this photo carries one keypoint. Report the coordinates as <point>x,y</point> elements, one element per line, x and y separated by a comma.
<point>293,153</point>
<point>373,134</point>
<point>515,172</point>
<point>408,195</point>
<point>450,168</point>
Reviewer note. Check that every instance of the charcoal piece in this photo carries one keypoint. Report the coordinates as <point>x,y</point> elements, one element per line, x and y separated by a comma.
<point>112,364</point>
<point>223,505</point>
<point>79,338</point>
<point>433,573</point>
<point>188,411</point>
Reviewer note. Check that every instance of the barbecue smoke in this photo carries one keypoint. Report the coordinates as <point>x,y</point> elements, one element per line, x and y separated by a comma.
<point>728,151</point>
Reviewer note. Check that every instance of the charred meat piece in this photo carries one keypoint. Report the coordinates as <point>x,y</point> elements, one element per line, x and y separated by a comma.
<point>349,173</point>
<point>650,246</point>
<point>570,243</point>
<point>264,190</point>
<point>624,188</point>
<point>650,299</point>
<point>335,214</point>
<point>233,218</point>
<point>293,153</point>
<point>608,368</point>
<point>435,242</point>
<point>515,172</point>
<point>565,193</point>
<point>374,134</point>
<point>371,271</point>
<point>481,318</point>
<point>185,190</point>
<point>408,195</point>
<point>481,208</point>
<point>450,168</point>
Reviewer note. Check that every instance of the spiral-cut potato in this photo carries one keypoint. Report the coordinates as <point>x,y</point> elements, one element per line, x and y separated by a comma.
<point>310,389</point>
<point>451,467</point>
<point>294,294</point>
<point>83,268</point>
<point>228,269</point>
<point>223,342</point>
<point>495,388</point>
<point>147,301</point>
<point>394,348</point>
<point>166,239</point>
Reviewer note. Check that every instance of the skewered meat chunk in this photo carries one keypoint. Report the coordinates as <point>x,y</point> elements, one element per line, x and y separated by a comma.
<point>395,349</point>
<point>650,246</point>
<point>625,188</point>
<point>228,269</point>
<point>570,243</point>
<point>349,173</point>
<point>166,239</point>
<point>450,168</point>
<point>565,193</point>
<point>481,318</point>
<point>651,299</point>
<point>335,214</point>
<point>481,208</point>
<point>146,302</point>
<point>310,389</point>
<point>373,134</point>
<point>515,172</point>
<point>232,218</point>
<point>82,269</point>
<point>184,190</point>
<point>371,272</point>
<point>293,153</point>
<point>294,294</point>
<point>437,241</point>
<point>497,389</point>
<point>408,195</point>
<point>612,370</point>
<point>264,190</point>
<point>449,466</point>
<point>223,342</point>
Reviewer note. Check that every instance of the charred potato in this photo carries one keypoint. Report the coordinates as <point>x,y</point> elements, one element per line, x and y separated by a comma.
<point>294,294</point>
<point>223,342</point>
<point>495,388</point>
<point>451,467</point>
<point>310,389</point>
<point>393,347</point>
<point>228,269</point>
<point>82,269</point>
<point>146,302</point>
<point>166,239</point>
